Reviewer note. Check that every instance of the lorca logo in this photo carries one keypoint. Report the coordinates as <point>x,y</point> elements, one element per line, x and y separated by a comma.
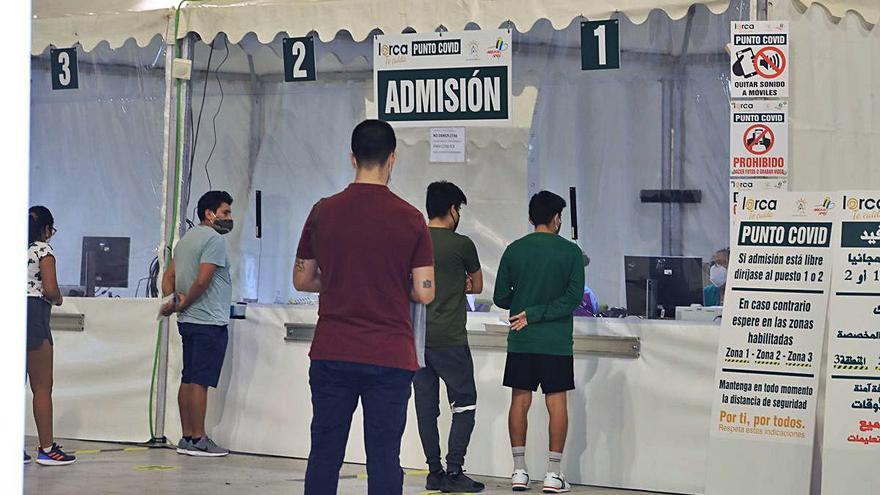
<point>856,204</point>
<point>758,205</point>
<point>393,50</point>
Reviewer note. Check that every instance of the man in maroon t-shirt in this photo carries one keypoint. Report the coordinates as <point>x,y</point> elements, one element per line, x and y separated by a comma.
<point>368,253</point>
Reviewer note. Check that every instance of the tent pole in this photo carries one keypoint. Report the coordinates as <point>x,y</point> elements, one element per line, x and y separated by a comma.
<point>170,224</point>
<point>667,146</point>
<point>761,10</point>
<point>677,135</point>
<point>161,360</point>
<point>186,151</point>
<point>254,143</point>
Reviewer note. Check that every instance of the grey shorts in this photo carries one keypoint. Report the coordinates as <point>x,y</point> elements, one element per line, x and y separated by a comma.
<point>38,313</point>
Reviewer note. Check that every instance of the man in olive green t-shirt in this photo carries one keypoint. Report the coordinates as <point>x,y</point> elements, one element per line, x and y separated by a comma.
<point>541,281</point>
<point>447,355</point>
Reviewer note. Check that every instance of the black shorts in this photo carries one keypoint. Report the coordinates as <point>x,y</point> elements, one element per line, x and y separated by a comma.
<point>527,371</point>
<point>204,348</point>
<point>38,314</point>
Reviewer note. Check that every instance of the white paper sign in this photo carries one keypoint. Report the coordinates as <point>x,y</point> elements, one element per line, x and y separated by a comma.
<point>739,187</point>
<point>759,63</point>
<point>758,138</point>
<point>443,79</point>
<point>770,345</point>
<point>448,145</point>
<point>851,447</point>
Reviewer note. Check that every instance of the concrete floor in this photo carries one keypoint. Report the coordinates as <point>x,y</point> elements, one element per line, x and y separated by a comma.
<point>109,469</point>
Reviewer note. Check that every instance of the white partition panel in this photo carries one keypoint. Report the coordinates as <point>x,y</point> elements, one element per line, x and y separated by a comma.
<point>634,423</point>
<point>102,374</point>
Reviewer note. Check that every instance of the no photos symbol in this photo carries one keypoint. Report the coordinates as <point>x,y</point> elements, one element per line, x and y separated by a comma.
<point>758,139</point>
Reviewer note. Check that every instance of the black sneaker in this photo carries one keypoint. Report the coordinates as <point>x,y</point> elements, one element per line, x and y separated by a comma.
<point>28,459</point>
<point>460,483</point>
<point>435,480</point>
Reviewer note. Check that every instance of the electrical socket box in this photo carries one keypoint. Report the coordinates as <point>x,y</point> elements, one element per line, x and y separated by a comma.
<point>181,68</point>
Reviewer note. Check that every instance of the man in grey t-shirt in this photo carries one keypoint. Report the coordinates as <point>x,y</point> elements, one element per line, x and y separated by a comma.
<point>198,281</point>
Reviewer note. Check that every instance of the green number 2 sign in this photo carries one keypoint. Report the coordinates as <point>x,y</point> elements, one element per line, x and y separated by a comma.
<point>299,59</point>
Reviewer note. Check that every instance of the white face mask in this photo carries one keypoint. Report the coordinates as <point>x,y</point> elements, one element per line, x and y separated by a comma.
<point>718,275</point>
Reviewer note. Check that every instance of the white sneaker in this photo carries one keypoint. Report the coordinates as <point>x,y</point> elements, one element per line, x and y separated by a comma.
<point>555,483</point>
<point>519,480</point>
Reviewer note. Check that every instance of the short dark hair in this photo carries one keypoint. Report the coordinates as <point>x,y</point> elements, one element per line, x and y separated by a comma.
<point>544,206</point>
<point>372,142</point>
<point>212,200</point>
<point>441,196</point>
<point>39,217</point>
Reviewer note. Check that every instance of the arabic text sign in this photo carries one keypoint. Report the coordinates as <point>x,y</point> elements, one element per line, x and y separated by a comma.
<point>443,79</point>
<point>759,138</point>
<point>852,407</point>
<point>851,446</point>
<point>759,64</point>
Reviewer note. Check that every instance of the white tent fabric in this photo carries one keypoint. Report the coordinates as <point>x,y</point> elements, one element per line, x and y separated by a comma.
<point>869,10</point>
<point>96,155</point>
<point>604,134</point>
<point>599,132</point>
<point>832,125</point>
<point>360,17</point>
<point>88,22</point>
<point>835,129</point>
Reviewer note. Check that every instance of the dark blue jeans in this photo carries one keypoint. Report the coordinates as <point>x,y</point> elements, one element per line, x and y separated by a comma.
<point>384,393</point>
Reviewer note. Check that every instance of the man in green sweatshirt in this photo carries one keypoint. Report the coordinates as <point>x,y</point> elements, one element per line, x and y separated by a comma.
<point>540,280</point>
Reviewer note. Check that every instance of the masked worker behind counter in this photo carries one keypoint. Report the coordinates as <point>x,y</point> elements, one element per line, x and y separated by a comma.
<point>713,294</point>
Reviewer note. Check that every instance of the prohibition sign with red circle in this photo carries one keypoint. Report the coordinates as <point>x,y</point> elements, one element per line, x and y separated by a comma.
<point>776,64</point>
<point>764,131</point>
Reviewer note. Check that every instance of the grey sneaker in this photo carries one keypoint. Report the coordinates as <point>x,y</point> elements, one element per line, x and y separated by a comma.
<point>206,447</point>
<point>183,446</point>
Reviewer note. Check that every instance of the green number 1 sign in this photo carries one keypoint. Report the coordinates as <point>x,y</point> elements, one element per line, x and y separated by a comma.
<point>600,45</point>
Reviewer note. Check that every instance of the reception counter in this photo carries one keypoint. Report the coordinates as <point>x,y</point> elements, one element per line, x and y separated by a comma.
<point>638,419</point>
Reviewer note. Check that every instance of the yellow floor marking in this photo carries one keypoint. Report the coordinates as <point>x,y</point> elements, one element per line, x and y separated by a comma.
<point>156,468</point>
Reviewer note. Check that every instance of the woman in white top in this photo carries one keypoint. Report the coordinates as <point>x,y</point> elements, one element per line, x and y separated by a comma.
<point>42,293</point>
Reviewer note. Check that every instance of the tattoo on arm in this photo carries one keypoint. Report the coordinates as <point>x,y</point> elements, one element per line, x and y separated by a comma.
<point>427,284</point>
<point>300,265</point>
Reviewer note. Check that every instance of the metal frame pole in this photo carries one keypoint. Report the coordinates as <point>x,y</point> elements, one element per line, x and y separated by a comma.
<point>762,8</point>
<point>169,223</point>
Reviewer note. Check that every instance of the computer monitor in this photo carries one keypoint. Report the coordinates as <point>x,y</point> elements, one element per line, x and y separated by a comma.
<point>655,285</point>
<point>104,262</point>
